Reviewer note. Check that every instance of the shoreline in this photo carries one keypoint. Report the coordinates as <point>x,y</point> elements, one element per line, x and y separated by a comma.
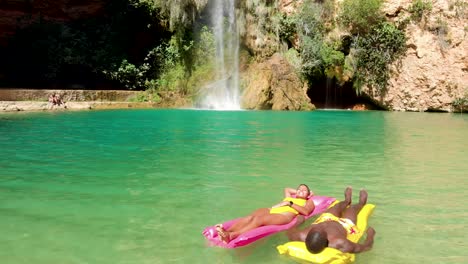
<point>37,100</point>
<point>40,106</point>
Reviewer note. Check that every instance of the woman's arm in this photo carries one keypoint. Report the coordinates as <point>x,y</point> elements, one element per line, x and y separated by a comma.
<point>306,209</point>
<point>283,203</point>
<point>289,192</point>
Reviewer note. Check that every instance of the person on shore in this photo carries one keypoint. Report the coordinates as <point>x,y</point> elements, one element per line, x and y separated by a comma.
<point>58,100</point>
<point>51,101</point>
<point>335,227</point>
<point>295,202</point>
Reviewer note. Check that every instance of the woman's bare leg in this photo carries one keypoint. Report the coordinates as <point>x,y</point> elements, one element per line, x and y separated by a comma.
<point>263,220</point>
<point>245,220</point>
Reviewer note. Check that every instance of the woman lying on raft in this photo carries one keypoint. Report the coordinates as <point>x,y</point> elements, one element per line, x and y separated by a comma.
<point>294,203</point>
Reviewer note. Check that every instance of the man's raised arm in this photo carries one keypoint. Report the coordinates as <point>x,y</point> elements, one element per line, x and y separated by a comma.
<point>350,247</point>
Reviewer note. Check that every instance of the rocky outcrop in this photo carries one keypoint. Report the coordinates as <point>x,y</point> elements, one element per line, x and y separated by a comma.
<point>17,13</point>
<point>274,84</point>
<point>434,71</point>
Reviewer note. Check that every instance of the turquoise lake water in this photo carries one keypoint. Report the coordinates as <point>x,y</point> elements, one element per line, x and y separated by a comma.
<point>139,186</point>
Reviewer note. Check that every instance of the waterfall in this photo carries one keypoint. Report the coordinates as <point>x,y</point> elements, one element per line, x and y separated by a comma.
<point>328,96</point>
<point>223,94</point>
<point>332,98</point>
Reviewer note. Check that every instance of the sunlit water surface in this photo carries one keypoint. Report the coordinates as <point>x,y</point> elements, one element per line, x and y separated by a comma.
<point>139,186</point>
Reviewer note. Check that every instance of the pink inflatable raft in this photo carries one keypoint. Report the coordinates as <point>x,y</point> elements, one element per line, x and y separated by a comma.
<point>321,204</point>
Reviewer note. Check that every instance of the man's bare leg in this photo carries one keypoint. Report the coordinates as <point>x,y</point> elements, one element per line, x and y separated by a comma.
<point>352,211</point>
<point>338,208</point>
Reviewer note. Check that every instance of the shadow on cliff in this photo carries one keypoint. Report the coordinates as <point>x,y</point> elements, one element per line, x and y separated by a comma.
<point>53,50</point>
<point>328,94</point>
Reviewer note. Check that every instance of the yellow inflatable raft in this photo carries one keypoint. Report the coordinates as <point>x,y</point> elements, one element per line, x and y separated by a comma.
<point>298,250</point>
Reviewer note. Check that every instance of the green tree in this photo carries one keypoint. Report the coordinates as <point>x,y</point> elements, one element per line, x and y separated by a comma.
<point>374,53</point>
<point>319,56</point>
<point>311,31</point>
<point>360,15</point>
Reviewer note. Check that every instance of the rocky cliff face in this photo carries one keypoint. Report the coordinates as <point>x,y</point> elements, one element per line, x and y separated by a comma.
<point>270,82</point>
<point>255,23</point>
<point>274,85</point>
<point>434,71</point>
<point>431,75</point>
<point>15,13</point>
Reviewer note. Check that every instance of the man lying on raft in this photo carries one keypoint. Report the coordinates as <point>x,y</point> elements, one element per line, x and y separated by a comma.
<point>279,214</point>
<point>335,227</point>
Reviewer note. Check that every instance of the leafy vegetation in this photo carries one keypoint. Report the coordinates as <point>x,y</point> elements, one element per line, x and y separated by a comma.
<point>184,67</point>
<point>441,31</point>
<point>185,61</point>
<point>149,95</point>
<point>461,103</point>
<point>363,57</point>
<point>419,8</point>
<point>293,57</point>
<point>375,52</point>
<point>129,75</point>
<point>318,56</point>
<point>287,27</point>
<point>359,15</point>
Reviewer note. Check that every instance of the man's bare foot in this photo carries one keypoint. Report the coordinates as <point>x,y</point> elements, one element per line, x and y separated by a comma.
<point>363,197</point>
<point>348,194</point>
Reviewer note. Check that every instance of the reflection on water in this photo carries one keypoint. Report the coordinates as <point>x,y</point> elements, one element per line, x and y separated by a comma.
<point>139,186</point>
